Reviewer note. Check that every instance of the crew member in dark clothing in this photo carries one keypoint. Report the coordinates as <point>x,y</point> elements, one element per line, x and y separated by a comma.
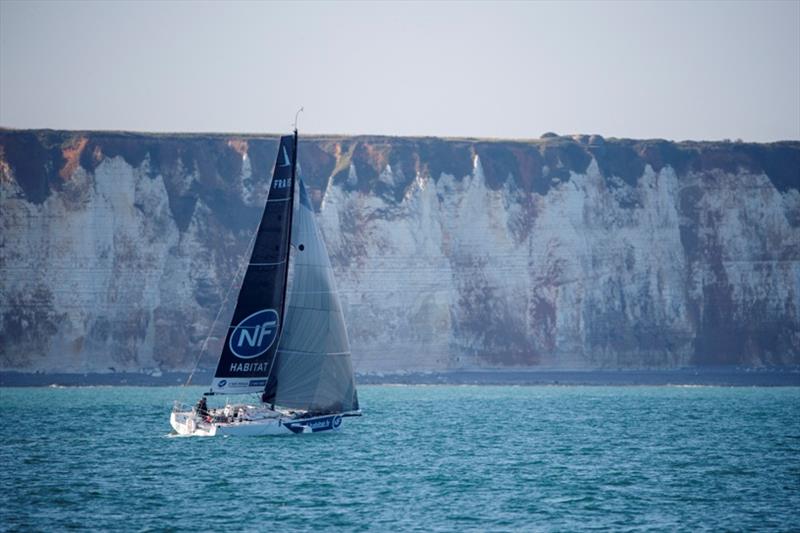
<point>202,407</point>
<point>265,399</point>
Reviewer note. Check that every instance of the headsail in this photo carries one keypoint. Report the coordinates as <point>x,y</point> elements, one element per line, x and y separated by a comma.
<point>252,337</point>
<point>313,369</point>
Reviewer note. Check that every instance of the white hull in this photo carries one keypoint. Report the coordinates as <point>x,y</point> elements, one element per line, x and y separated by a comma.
<point>250,421</point>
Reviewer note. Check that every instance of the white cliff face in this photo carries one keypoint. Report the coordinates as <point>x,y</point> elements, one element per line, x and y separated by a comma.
<point>596,273</point>
<point>395,282</point>
<point>89,262</point>
<point>447,279</point>
<point>125,263</point>
<point>100,278</point>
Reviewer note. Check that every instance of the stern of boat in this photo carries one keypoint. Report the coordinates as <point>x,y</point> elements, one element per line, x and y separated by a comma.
<point>186,422</point>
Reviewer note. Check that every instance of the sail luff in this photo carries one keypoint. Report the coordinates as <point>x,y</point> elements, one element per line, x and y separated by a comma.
<point>289,233</point>
<point>269,386</point>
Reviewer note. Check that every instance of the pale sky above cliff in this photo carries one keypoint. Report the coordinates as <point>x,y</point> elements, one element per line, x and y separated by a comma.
<point>673,70</point>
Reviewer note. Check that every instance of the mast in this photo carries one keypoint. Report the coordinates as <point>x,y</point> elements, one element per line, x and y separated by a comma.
<point>269,386</point>
<point>288,238</point>
<point>288,243</point>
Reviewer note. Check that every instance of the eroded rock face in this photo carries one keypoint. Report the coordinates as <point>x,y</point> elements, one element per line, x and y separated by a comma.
<point>118,250</point>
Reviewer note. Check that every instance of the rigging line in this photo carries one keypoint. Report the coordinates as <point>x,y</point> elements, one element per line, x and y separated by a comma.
<point>222,305</point>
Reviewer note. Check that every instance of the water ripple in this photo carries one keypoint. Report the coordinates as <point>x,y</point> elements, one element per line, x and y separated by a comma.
<point>422,459</point>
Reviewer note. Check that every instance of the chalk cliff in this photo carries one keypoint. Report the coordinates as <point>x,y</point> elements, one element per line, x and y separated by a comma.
<point>118,249</point>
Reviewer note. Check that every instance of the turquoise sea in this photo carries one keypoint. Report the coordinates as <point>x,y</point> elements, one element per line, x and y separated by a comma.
<point>423,458</point>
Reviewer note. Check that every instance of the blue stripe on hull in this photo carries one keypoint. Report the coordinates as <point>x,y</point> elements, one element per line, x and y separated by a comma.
<point>325,423</point>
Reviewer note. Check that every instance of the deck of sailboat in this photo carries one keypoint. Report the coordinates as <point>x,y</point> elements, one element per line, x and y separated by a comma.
<point>249,419</point>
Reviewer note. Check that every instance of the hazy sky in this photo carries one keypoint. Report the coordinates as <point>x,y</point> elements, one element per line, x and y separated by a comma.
<point>674,70</point>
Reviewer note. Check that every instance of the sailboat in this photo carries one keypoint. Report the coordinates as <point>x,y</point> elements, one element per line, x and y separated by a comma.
<point>287,344</point>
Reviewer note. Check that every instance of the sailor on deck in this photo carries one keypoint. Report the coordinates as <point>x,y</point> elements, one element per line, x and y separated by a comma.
<point>202,407</point>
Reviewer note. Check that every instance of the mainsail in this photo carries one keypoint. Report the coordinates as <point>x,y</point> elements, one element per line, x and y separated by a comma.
<point>312,369</point>
<point>251,341</point>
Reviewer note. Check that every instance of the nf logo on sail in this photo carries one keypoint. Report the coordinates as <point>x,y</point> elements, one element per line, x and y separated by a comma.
<point>255,334</point>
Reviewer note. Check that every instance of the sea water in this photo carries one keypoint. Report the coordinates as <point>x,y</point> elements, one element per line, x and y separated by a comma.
<point>424,458</point>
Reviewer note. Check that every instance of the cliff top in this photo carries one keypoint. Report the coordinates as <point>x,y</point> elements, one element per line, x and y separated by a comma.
<point>42,159</point>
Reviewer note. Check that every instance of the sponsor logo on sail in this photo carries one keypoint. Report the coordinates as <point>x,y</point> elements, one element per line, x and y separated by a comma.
<point>255,334</point>
<point>222,383</point>
<point>263,366</point>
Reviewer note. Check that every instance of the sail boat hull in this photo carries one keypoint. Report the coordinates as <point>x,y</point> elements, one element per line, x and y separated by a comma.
<point>254,424</point>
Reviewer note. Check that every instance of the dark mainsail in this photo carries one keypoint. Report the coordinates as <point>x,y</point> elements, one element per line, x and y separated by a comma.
<point>252,337</point>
